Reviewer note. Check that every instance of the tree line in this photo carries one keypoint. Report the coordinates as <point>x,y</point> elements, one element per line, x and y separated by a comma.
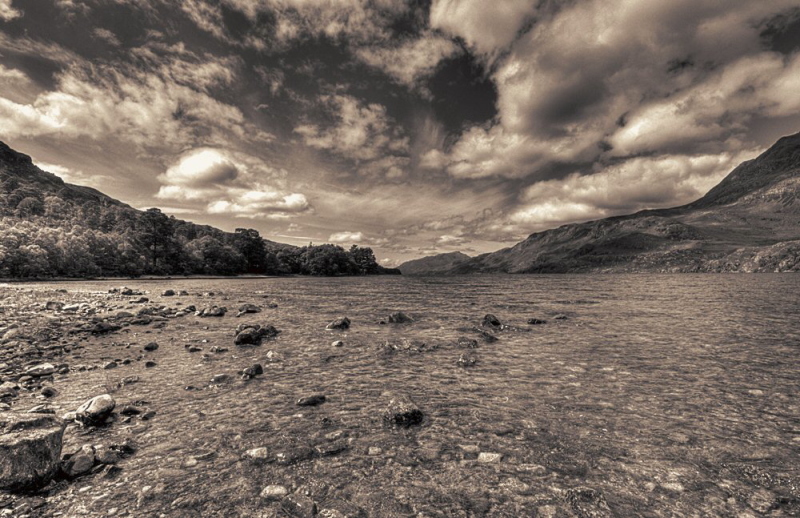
<point>49,235</point>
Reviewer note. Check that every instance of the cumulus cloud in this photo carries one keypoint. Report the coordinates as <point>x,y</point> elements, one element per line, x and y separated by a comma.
<point>231,183</point>
<point>487,29</point>
<point>9,75</point>
<point>346,237</point>
<point>643,99</point>
<point>361,132</point>
<point>410,61</point>
<point>7,12</point>
<point>357,238</point>
<point>629,186</point>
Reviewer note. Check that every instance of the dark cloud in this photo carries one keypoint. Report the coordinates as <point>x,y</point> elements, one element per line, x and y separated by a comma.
<point>463,94</point>
<point>781,33</point>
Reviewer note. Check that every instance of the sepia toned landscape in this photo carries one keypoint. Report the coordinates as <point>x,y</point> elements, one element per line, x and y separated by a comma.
<point>399,259</point>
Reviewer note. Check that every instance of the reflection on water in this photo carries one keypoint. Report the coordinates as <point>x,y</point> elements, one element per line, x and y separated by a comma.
<point>671,395</point>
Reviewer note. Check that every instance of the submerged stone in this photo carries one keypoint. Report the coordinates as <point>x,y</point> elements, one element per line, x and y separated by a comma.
<point>316,399</point>
<point>402,411</point>
<point>587,502</point>
<point>491,321</point>
<point>400,318</point>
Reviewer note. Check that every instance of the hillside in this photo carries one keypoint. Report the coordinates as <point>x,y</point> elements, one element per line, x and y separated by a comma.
<point>49,228</point>
<point>749,222</point>
<point>433,265</point>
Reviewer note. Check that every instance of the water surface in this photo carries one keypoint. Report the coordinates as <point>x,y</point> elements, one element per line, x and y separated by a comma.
<point>672,395</point>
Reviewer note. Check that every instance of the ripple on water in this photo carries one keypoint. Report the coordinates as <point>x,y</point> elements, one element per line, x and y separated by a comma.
<point>663,392</point>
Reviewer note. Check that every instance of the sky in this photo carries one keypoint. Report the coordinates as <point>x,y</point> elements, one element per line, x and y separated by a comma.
<point>413,127</point>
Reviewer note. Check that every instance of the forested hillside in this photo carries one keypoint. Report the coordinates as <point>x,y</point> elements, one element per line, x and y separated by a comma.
<point>49,228</point>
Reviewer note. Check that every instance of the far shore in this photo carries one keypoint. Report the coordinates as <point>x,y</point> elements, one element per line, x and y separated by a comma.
<point>142,278</point>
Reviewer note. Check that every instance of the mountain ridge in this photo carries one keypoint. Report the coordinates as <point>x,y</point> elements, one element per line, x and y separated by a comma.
<point>749,222</point>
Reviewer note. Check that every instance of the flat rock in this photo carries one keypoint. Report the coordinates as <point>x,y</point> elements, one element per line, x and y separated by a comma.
<point>43,369</point>
<point>221,378</point>
<point>248,308</point>
<point>314,400</point>
<point>213,311</point>
<point>340,323</point>
<point>30,450</point>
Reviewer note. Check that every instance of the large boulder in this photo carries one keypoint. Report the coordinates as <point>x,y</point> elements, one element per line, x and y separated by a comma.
<point>96,410</point>
<point>30,450</point>
<point>79,463</point>
<point>254,334</point>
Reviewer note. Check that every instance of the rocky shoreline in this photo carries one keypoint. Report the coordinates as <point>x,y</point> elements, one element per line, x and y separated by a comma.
<point>154,401</point>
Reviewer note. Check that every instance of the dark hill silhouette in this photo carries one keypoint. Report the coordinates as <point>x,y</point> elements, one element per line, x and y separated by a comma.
<point>50,228</point>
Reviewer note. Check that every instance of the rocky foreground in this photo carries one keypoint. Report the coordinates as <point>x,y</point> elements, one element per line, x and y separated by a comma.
<point>135,402</point>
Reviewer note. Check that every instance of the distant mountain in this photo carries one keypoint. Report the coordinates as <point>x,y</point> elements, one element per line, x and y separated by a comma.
<point>433,265</point>
<point>49,228</point>
<point>750,222</point>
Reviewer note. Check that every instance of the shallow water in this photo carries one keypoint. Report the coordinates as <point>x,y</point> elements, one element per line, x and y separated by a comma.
<point>672,395</point>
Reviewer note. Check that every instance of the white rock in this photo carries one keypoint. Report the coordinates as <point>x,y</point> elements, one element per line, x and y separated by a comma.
<point>273,492</point>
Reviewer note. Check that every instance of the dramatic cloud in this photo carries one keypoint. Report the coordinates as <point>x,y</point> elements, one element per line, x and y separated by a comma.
<point>411,60</point>
<point>8,13</point>
<point>164,106</point>
<point>355,21</point>
<point>623,188</point>
<point>232,184</point>
<point>487,29</point>
<point>106,36</point>
<point>360,132</point>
